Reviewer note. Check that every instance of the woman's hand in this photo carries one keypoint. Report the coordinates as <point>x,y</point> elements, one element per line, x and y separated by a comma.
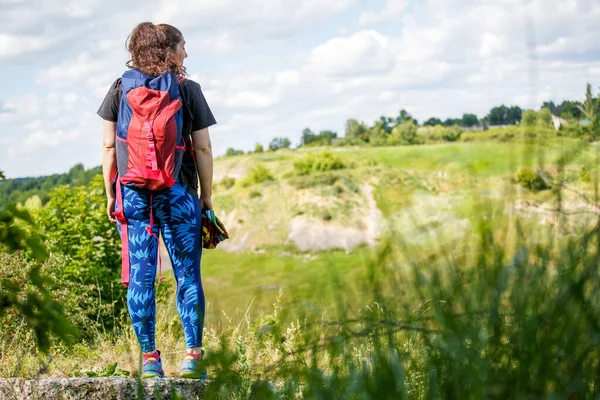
<point>206,203</point>
<point>110,208</point>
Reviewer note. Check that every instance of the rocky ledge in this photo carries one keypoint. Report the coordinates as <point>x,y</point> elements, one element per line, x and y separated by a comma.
<point>100,388</point>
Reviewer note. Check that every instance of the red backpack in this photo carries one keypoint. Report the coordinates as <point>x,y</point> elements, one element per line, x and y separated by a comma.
<point>149,143</point>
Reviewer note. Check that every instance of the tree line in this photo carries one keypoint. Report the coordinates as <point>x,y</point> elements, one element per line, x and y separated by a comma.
<point>402,129</point>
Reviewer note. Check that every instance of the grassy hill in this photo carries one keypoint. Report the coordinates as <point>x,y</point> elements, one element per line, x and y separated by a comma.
<point>287,230</point>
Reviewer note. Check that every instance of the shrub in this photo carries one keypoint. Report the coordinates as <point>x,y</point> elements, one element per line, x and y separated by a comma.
<point>324,161</point>
<point>403,134</point>
<point>228,182</point>
<point>530,179</point>
<point>255,194</point>
<point>438,133</point>
<point>233,152</point>
<point>258,174</point>
<point>584,174</point>
<point>259,148</point>
<point>76,226</point>
<point>309,181</point>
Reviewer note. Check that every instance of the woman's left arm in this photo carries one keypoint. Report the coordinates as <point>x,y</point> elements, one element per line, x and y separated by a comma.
<point>109,164</point>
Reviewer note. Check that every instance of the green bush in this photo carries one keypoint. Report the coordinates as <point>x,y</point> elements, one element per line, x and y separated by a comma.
<point>321,162</point>
<point>584,174</point>
<point>79,303</point>
<point>228,182</point>
<point>75,225</point>
<point>404,134</point>
<point>231,152</point>
<point>309,181</point>
<point>508,133</point>
<point>530,179</point>
<point>257,174</point>
<point>440,133</point>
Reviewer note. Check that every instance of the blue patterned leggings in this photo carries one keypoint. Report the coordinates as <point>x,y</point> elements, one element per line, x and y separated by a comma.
<point>177,215</point>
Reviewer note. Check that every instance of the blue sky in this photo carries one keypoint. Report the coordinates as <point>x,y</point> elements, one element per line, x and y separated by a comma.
<point>273,67</point>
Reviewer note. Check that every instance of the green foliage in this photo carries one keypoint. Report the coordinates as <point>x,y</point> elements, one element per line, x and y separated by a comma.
<point>469,120</point>
<point>356,130</point>
<point>584,174</point>
<point>567,109</point>
<point>509,133</point>
<point>404,134</point>
<point>320,162</point>
<point>310,181</point>
<point>254,194</point>
<point>544,118</point>
<point>233,152</point>
<point>503,115</point>
<point>75,224</point>
<point>15,227</point>
<point>279,143</point>
<point>258,148</point>
<point>20,189</point>
<point>575,129</point>
<point>257,174</point>
<point>33,302</point>
<point>541,119</point>
<point>103,372</point>
<point>228,182</point>
<point>324,138</point>
<point>530,179</point>
<point>378,135</point>
<point>440,133</point>
<point>432,122</point>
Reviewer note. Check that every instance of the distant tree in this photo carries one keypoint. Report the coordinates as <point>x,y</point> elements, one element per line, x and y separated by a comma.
<point>529,118</point>
<point>387,123</point>
<point>327,136</point>
<point>233,152</point>
<point>544,117</point>
<point>513,116</point>
<point>570,110</point>
<point>433,122</point>
<point>550,105</point>
<point>589,108</point>
<point>258,148</point>
<point>356,130</point>
<point>503,115</point>
<point>469,120</point>
<point>452,122</point>
<point>308,136</point>
<point>404,115</point>
<point>323,138</point>
<point>378,134</point>
<point>404,133</point>
<point>279,143</point>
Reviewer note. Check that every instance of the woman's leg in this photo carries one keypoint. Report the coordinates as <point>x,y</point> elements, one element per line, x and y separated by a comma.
<point>181,225</point>
<point>143,252</point>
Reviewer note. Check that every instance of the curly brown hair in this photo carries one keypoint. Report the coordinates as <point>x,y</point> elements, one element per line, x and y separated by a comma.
<point>152,49</point>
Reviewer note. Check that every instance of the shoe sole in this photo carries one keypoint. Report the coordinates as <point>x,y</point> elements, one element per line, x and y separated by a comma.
<point>192,375</point>
<point>150,375</point>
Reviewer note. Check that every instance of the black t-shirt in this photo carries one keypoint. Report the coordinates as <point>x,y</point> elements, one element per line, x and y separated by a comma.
<point>196,116</point>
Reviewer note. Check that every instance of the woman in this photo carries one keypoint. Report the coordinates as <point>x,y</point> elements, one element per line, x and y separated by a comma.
<point>176,212</point>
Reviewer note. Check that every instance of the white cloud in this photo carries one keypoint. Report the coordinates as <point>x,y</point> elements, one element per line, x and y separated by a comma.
<point>392,10</point>
<point>15,45</point>
<point>365,52</point>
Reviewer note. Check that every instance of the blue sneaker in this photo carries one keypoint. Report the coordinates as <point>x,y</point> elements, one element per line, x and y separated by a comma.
<point>152,367</point>
<point>191,368</point>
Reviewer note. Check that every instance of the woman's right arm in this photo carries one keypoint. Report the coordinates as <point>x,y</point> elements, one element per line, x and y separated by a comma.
<point>109,165</point>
